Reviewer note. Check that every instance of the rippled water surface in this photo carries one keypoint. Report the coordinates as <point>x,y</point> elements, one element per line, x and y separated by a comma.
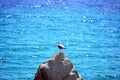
<point>91,33</point>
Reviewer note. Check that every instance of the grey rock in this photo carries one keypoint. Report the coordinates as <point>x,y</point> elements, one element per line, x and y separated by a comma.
<point>59,67</point>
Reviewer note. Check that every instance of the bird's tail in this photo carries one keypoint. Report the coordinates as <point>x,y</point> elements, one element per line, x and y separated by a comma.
<point>65,48</point>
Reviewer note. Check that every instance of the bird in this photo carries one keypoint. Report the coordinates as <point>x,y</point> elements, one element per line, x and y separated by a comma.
<point>61,46</point>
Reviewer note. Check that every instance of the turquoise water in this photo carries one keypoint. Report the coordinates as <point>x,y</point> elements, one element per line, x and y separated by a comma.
<point>91,33</point>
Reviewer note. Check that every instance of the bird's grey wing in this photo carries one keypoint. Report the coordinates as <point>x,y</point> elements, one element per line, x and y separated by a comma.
<point>61,45</point>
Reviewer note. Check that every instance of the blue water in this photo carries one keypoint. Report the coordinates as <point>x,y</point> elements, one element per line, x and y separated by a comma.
<point>29,31</point>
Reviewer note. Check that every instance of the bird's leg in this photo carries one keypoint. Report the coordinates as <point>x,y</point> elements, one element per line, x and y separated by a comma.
<point>60,50</point>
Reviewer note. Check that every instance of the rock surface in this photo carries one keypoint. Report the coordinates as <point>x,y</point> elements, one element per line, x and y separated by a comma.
<point>59,67</point>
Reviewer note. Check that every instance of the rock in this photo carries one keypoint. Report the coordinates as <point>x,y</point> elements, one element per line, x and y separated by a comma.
<point>59,67</point>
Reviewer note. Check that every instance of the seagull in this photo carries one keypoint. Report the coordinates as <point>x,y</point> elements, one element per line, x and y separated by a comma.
<point>60,46</point>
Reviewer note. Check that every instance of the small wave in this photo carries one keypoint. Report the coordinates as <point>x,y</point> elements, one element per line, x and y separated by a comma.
<point>1,59</point>
<point>8,16</point>
<point>110,76</point>
<point>36,47</point>
<point>111,56</point>
<point>33,56</point>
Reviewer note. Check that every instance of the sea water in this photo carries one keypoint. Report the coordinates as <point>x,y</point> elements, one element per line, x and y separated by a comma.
<point>90,30</point>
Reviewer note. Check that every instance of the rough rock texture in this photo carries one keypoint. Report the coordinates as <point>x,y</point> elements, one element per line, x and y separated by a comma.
<point>57,68</point>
